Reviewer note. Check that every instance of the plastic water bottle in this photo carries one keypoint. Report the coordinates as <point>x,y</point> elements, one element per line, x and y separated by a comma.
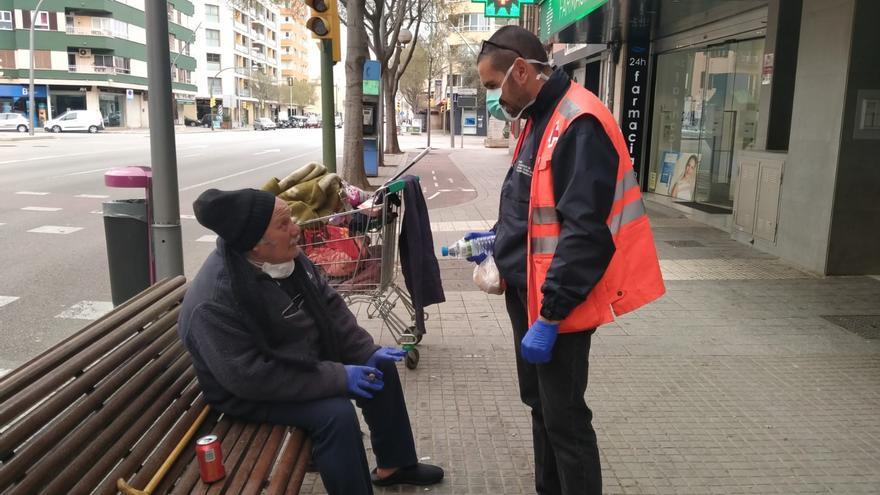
<point>464,249</point>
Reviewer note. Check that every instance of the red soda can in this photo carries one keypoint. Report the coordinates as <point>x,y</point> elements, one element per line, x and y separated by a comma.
<point>210,458</point>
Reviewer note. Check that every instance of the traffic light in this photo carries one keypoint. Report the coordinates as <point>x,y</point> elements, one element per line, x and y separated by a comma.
<point>324,23</point>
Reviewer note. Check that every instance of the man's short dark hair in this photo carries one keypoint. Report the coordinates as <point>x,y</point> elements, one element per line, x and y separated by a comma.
<point>511,42</point>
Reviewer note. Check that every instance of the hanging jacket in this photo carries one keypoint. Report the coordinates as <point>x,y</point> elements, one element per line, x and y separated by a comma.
<point>632,278</point>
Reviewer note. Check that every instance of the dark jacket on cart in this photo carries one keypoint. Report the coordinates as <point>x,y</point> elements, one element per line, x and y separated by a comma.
<point>421,272</point>
<point>242,361</point>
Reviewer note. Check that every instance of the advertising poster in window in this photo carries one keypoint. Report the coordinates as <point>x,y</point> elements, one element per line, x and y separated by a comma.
<point>678,174</point>
<point>684,178</point>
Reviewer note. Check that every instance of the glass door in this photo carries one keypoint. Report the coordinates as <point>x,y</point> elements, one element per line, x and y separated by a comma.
<point>731,87</point>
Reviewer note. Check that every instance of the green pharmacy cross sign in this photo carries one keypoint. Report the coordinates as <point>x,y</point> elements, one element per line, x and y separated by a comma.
<point>502,8</point>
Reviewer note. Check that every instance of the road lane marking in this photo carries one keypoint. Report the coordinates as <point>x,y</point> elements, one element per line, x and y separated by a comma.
<point>434,195</point>
<point>275,150</point>
<point>49,157</point>
<point>40,208</point>
<point>243,172</point>
<point>103,169</point>
<point>196,147</point>
<point>31,193</point>
<point>55,229</point>
<point>87,310</point>
<point>4,300</point>
<point>92,196</point>
<point>188,217</point>
<point>192,156</point>
<point>450,180</point>
<point>207,238</point>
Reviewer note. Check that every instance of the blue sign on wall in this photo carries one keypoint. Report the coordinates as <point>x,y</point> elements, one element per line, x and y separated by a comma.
<point>21,90</point>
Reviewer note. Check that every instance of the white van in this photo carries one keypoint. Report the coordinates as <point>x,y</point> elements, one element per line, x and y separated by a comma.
<point>76,120</point>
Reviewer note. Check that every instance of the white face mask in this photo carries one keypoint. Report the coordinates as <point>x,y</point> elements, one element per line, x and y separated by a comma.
<point>279,270</point>
<point>500,89</point>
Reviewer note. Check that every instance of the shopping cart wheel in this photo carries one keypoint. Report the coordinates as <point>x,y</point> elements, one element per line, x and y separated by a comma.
<point>412,358</point>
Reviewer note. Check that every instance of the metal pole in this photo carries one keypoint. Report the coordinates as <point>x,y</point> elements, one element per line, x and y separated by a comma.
<point>328,125</point>
<point>428,112</point>
<point>167,244</point>
<point>452,120</point>
<point>31,103</point>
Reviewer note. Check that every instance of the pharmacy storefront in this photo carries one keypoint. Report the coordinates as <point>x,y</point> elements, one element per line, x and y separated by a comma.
<point>704,111</point>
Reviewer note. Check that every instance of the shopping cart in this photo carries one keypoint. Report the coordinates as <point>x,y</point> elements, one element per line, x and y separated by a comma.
<point>357,252</point>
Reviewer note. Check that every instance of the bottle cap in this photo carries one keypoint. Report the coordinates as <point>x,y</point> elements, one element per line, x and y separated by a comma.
<point>444,250</point>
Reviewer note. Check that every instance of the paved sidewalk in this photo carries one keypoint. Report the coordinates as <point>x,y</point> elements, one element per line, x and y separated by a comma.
<point>738,381</point>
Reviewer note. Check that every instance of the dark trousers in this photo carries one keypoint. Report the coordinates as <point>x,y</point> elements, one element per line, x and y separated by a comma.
<point>337,448</point>
<point>566,453</point>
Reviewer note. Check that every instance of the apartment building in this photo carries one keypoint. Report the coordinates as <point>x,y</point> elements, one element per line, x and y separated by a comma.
<point>91,55</point>
<point>238,47</point>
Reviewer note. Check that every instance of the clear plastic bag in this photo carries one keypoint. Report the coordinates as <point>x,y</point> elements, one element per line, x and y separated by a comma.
<point>487,277</point>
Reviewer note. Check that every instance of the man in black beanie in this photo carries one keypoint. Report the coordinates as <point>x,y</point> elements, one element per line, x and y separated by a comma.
<point>272,342</point>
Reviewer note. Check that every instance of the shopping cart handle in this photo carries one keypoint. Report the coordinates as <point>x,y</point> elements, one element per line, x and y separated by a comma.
<point>398,185</point>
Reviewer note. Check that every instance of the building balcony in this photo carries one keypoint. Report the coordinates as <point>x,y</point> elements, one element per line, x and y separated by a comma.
<point>241,48</point>
<point>287,42</point>
<point>97,69</point>
<point>287,26</point>
<point>246,93</point>
<point>288,57</point>
<point>240,26</point>
<point>258,55</point>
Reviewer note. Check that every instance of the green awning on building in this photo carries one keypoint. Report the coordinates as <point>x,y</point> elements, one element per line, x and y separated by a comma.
<point>557,15</point>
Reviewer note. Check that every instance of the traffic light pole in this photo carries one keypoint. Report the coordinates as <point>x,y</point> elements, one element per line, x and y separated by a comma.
<point>328,119</point>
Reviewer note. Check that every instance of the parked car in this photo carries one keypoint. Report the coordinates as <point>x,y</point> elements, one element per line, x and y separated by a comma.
<point>313,122</point>
<point>12,121</point>
<point>264,124</point>
<point>298,121</point>
<point>76,120</point>
<point>204,121</point>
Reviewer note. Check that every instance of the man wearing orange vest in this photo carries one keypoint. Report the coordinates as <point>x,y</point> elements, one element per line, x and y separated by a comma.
<point>573,243</point>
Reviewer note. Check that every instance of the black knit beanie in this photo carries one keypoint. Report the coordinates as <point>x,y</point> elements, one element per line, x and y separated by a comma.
<point>240,217</point>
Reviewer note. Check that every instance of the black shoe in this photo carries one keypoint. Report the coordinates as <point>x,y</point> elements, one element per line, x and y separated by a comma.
<point>418,474</point>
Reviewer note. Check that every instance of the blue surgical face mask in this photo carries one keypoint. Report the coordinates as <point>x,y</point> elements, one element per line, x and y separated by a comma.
<point>493,106</point>
<point>494,96</point>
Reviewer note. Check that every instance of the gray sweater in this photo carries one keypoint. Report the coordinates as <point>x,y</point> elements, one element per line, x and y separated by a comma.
<point>236,376</point>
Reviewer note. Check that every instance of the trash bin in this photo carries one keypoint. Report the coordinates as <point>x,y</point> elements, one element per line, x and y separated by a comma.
<point>126,231</point>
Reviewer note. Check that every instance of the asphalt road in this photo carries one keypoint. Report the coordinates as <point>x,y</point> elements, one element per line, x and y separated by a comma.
<point>52,284</point>
<point>54,264</point>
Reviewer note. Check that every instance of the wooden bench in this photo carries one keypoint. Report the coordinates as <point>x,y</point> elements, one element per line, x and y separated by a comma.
<point>114,401</point>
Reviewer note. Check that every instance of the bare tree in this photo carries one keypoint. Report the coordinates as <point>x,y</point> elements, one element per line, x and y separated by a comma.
<point>264,89</point>
<point>425,65</point>
<point>384,21</point>
<point>355,56</point>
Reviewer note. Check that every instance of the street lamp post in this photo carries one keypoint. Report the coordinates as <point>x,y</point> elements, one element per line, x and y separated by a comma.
<point>31,102</point>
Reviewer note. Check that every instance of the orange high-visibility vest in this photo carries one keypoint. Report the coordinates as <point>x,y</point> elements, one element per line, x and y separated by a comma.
<point>633,277</point>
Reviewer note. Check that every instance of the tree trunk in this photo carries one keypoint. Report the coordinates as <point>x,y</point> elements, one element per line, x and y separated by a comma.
<point>353,132</point>
<point>389,88</point>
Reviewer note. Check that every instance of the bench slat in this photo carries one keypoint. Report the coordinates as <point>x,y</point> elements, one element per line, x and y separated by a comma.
<point>284,468</point>
<point>264,462</point>
<point>188,389</point>
<point>179,467</point>
<point>52,464</point>
<point>300,468</point>
<point>49,438</point>
<point>47,362</point>
<point>245,467</point>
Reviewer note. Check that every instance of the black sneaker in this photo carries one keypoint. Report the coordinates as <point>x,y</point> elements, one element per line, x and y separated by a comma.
<point>418,474</point>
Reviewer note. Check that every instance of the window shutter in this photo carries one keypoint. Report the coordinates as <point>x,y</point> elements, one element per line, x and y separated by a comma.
<point>53,21</point>
<point>26,19</point>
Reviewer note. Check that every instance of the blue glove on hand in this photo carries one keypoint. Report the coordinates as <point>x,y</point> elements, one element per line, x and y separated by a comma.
<point>362,380</point>
<point>537,345</point>
<point>385,354</point>
<point>476,235</point>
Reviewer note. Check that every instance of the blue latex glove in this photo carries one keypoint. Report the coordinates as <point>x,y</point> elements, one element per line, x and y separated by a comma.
<point>475,235</point>
<point>537,345</point>
<point>385,354</point>
<point>363,380</point>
